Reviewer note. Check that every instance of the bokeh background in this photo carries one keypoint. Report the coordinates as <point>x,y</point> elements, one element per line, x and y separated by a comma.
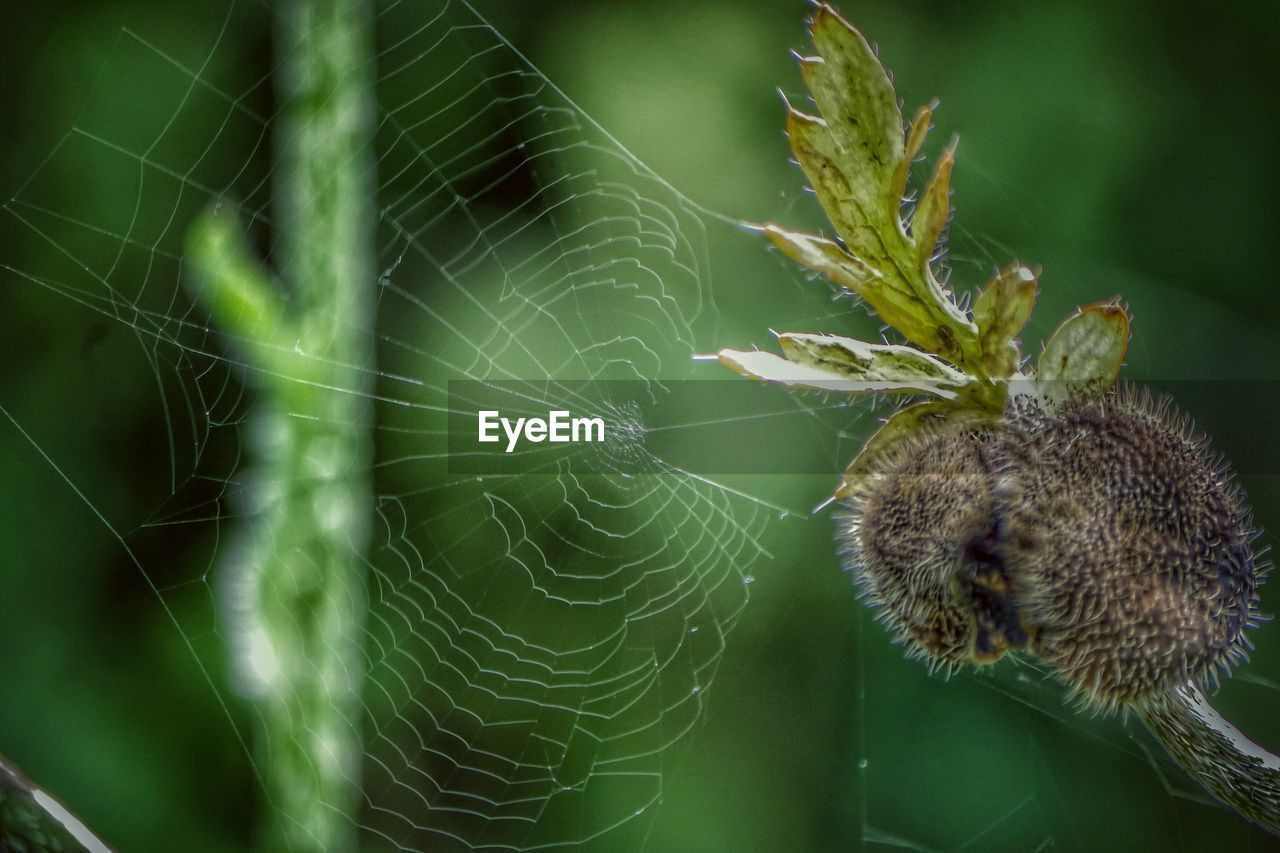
<point>1127,149</point>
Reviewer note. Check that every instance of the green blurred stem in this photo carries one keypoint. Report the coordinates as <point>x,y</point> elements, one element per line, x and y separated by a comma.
<point>296,596</point>
<point>31,819</point>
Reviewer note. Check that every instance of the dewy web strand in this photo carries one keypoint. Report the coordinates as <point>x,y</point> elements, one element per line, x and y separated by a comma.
<point>533,644</point>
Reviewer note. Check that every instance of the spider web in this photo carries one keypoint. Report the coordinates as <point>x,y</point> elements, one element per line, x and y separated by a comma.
<point>539,647</point>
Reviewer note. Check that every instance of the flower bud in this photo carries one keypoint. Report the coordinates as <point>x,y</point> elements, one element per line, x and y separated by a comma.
<point>1132,546</point>
<point>1099,534</point>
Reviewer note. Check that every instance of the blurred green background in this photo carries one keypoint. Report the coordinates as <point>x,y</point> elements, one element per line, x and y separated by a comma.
<point>1127,149</point>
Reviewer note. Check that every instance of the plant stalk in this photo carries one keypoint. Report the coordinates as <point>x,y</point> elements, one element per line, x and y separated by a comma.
<point>295,586</point>
<point>1230,766</point>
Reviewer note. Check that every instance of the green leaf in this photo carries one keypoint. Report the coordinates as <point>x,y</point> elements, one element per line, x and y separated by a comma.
<point>1087,349</point>
<point>889,296</point>
<point>856,98</point>
<point>935,204</point>
<point>773,368</point>
<point>858,162</point>
<point>915,141</point>
<point>855,198</point>
<point>827,363</point>
<point>905,367</point>
<point>1001,311</point>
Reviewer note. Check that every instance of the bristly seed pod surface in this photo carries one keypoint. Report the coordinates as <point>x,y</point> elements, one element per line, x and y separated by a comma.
<point>1133,546</point>
<point>904,537</point>
<point>1099,533</point>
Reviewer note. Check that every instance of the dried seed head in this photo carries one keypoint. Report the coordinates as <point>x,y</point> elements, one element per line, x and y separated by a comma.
<point>1100,534</point>
<point>1133,549</point>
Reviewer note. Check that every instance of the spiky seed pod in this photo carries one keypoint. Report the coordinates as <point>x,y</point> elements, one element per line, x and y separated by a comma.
<point>1101,534</point>
<point>904,535</point>
<point>1130,545</point>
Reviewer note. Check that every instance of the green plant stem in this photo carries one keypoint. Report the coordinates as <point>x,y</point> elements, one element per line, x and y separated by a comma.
<point>296,596</point>
<point>1233,768</point>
